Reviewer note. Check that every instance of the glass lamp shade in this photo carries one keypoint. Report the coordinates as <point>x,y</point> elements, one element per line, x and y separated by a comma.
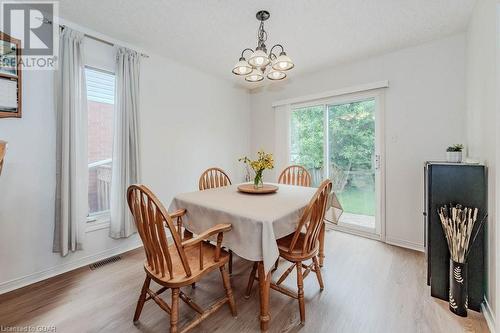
<point>242,67</point>
<point>275,75</point>
<point>259,59</point>
<point>255,76</point>
<point>283,62</point>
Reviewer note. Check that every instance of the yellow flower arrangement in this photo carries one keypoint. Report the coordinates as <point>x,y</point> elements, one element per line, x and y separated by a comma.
<point>263,162</point>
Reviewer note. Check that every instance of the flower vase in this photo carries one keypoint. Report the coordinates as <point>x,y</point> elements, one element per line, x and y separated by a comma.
<point>258,181</point>
<point>454,156</point>
<point>458,288</point>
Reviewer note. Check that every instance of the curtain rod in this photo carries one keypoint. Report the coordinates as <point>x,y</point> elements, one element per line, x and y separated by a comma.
<point>45,20</point>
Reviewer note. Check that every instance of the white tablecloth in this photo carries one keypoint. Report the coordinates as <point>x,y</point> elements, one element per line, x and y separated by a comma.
<point>257,220</point>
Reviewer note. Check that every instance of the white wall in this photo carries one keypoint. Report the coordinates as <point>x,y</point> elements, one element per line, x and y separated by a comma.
<point>494,259</point>
<point>483,136</point>
<point>189,121</point>
<point>424,113</point>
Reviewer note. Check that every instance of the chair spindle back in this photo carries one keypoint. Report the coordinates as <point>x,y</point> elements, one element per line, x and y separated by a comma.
<point>312,219</point>
<point>150,219</point>
<point>295,175</point>
<point>213,178</point>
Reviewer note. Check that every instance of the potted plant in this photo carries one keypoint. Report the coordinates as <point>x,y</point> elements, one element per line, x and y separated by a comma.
<point>454,153</point>
<point>264,161</point>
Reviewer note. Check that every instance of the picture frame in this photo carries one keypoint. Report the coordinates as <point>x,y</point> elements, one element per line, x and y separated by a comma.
<point>10,75</point>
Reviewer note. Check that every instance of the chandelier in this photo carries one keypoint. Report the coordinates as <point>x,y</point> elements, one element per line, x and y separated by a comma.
<point>260,63</point>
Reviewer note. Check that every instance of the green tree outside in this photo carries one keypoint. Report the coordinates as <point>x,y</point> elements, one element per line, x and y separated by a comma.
<point>351,128</point>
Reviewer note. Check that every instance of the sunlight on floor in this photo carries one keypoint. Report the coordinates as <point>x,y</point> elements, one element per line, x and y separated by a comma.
<point>357,220</point>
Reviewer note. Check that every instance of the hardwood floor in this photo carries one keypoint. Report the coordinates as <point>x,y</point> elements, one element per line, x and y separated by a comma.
<point>369,287</point>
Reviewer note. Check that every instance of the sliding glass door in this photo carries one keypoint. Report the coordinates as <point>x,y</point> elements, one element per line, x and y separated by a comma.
<point>351,141</point>
<point>307,140</point>
<point>340,139</point>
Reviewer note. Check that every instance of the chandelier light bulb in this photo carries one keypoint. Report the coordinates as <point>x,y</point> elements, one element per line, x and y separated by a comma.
<point>242,67</point>
<point>259,59</point>
<point>255,76</point>
<point>283,62</point>
<point>276,75</point>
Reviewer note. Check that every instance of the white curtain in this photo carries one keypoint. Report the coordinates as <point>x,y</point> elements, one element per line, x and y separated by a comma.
<point>126,141</point>
<point>71,144</point>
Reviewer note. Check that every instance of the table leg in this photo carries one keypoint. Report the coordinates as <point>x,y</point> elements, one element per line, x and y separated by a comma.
<point>322,245</point>
<point>264,287</point>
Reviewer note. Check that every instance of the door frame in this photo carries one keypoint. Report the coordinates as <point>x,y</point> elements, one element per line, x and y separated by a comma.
<point>379,96</point>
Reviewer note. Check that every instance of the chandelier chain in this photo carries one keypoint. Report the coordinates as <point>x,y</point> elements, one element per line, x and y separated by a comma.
<point>261,35</point>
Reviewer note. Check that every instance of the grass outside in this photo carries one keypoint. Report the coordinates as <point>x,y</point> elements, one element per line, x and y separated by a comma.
<point>358,201</point>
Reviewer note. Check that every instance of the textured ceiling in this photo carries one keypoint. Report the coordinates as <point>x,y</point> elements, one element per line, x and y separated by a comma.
<point>210,34</point>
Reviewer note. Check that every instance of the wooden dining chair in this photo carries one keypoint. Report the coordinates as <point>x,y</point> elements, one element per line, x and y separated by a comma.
<point>300,246</point>
<point>295,175</point>
<point>213,178</point>
<point>3,151</point>
<point>178,264</point>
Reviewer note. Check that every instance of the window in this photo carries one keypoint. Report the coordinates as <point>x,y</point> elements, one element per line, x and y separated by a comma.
<point>100,103</point>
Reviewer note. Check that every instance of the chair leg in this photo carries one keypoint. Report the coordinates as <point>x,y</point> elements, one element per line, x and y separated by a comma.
<point>317,269</point>
<point>142,299</point>
<point>174,312</point>
<point>250,280</point>
<point>229,290</point>
<point>300,285</point>
<point>322,244</point>
<point>230,262</point>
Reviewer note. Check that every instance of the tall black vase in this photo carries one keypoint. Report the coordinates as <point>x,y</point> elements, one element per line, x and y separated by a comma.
<point>458,288</point>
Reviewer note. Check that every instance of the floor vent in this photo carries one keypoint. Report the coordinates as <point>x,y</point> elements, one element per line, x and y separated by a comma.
<point>101,263</point>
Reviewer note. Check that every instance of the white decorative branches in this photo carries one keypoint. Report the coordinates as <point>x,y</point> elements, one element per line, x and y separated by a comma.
<point>458,223</point>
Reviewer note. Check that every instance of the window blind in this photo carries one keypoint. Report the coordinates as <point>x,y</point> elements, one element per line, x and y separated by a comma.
<point>100,86</point>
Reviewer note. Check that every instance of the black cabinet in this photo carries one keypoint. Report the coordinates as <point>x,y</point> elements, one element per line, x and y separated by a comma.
<point>454,183</point>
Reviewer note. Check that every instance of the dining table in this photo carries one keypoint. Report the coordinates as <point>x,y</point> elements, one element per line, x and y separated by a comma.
<point>257,220</point>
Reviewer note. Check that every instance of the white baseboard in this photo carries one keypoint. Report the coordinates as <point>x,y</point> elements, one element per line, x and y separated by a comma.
<point>405,244</point>
<point>488,315</point>
<point>65,267</point>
